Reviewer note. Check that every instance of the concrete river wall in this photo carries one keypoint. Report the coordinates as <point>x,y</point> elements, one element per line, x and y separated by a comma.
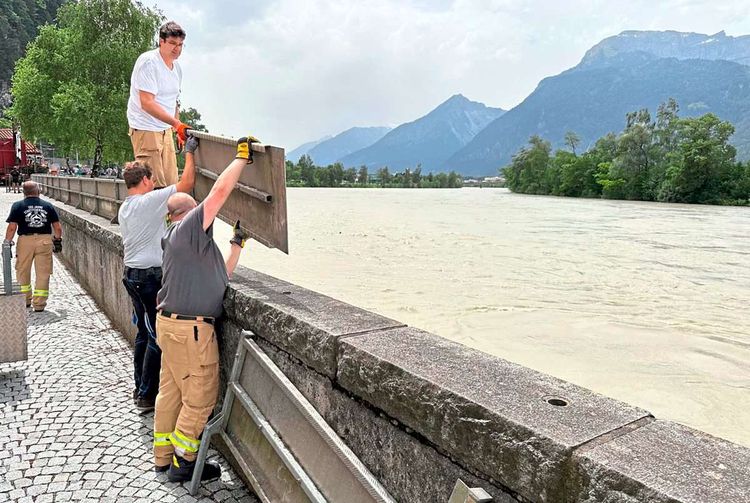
<point>421,411</point>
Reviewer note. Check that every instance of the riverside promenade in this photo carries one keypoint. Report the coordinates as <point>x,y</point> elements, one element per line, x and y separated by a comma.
<point>68,427</point>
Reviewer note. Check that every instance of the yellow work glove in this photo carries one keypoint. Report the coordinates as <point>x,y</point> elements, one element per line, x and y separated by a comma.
<point>239,235</point>
<point>244,150</point>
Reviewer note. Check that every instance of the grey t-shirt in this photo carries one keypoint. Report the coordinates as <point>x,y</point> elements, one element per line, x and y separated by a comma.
<point>194,274</point>
<point>143,224</point>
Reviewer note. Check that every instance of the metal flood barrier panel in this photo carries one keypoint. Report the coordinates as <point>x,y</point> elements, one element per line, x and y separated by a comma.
<point>284,447</point>
<point>258,201</point>
<point>13,338</point>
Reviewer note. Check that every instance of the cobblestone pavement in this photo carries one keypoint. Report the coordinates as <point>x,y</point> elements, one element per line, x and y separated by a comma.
<point>68,428</point>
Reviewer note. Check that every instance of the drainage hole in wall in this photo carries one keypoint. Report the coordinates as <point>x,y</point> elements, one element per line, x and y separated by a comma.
<point>557,402</point>
<point>286,293</point>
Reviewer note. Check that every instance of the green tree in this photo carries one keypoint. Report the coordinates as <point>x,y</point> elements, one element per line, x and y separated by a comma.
<point>192,118</point>
<point>636,154</point>
<point>293,174</point>
<point>385,176</point>
<point>702,161</point>
<point>416,176</point>
<point>19,22</point>
<point>307,171</point>
<point>362,175</point>
<point>526,171</point>
<point>350,176</point>
<point>72,86</point>
<point>572,140</point>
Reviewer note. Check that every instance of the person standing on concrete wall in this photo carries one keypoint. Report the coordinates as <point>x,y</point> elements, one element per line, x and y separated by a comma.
<point>142,218</point>
<point>190,300</point>
<point>35,220</point>
<point>153,106</point>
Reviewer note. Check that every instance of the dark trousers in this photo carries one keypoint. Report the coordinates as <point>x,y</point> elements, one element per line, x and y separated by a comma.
<point>142,286</point>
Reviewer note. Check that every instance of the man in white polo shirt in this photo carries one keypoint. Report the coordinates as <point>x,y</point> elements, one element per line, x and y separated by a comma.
<point>153,106</point>
<point>142,218</point>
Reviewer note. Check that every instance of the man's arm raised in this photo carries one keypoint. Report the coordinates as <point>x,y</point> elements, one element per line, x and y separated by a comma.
<point>224,185</point>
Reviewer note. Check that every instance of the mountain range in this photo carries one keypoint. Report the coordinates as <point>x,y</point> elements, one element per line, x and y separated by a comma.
<point>429,140</point>
<point>331,150</point>
<point>623,73</point>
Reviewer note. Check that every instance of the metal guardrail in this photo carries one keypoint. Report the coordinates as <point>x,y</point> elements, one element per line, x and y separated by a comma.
<point>285,448</point>
<point>98,196</point>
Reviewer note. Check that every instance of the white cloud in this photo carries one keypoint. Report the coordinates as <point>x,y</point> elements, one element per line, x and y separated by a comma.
<point>294,70</point>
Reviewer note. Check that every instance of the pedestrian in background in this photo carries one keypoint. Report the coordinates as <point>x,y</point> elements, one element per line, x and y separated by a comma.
<point>35,220</point>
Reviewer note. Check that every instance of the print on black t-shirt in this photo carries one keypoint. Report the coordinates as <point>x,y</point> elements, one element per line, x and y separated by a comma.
<point>33,216</point>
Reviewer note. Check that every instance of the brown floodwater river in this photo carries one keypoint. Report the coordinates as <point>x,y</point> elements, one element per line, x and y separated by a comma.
<point>643,302</point>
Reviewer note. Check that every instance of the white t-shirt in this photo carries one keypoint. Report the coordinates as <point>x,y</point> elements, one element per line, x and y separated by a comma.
<point>142,224</point>
<point>151,74</point>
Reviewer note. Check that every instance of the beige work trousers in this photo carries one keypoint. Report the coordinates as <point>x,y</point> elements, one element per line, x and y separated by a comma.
<point>188,386</point>
<point>34,249</point>
<point>157,149</point>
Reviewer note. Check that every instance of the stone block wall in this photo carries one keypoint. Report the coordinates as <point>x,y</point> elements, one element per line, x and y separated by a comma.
<point>421,411</point>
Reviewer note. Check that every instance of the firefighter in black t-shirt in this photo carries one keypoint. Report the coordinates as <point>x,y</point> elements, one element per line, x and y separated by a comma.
<point>35,220</point>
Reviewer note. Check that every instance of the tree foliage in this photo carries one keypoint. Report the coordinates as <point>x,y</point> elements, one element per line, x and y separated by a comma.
<point>19,20</point>
<point>671,159</point>
<point>306,174</point>
<point>71,88</point>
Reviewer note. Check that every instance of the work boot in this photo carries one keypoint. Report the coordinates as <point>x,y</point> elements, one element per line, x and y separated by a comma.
<point>144,405</point>
<point>135,396</point>
<point>181,470</point>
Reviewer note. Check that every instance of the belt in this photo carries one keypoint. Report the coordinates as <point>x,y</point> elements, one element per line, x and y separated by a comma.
<point>142,274</point>
<point>207,319</point>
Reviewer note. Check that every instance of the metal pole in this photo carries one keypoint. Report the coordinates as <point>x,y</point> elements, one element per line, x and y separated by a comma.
<point>7,275</point>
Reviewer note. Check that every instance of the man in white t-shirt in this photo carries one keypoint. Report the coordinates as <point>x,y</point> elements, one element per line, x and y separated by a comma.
<point>142,218</point>
<point>153,106</point>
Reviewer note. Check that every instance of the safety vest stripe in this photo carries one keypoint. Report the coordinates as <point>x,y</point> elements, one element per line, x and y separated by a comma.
<point>25,288</point>
<point>161,439</point>
<point>184,442</point>
<point>181,448</point>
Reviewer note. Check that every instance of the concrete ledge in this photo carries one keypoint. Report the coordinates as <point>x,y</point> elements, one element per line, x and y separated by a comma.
<point>303,323</point>
<point>665,462</point>
<point>92,250</point>
<point>493,415</point>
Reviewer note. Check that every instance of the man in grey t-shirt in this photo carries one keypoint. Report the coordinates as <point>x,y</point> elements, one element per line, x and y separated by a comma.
<point>195,277</point>
<point>142,218</point>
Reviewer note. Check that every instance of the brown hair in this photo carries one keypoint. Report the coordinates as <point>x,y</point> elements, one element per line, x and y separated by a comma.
<point>134,173</point>
<point>171,29</point>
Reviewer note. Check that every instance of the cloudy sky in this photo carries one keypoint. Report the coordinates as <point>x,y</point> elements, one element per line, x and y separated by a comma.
<point>291,71</point>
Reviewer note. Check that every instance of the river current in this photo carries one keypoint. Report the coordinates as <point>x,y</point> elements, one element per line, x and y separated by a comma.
<point>643,302</point>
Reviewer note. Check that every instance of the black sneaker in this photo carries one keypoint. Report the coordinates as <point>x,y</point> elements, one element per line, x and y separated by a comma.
<point>144,405</point>
<point>181,470</point>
